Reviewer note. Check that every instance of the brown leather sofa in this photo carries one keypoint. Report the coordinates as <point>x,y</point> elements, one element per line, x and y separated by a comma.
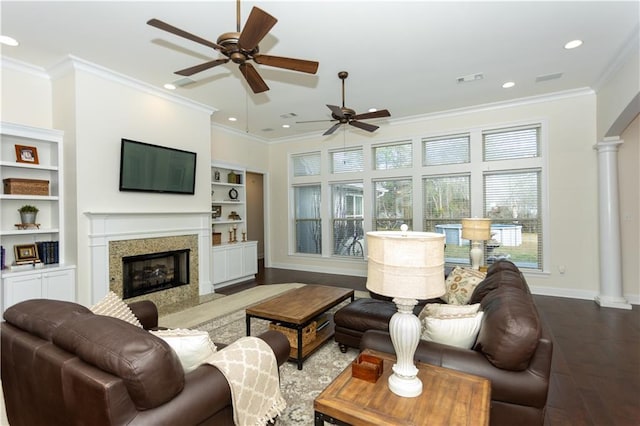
<point>63,365</point>
<point>513,349</point>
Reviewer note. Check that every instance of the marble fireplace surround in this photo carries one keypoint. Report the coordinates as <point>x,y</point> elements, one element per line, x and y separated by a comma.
<point>113,235</point>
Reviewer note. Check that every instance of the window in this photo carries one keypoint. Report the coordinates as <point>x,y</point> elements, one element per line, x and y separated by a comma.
<point>393,205</point>
<point>396,156</point>
<point>511,144</point>
<point>447,201</point>
<point>347,161</point>
<point>512,202</point>
<point>347,212</point>
<point>306,164</point>
<point>307,219</point>
<point>445,150</point>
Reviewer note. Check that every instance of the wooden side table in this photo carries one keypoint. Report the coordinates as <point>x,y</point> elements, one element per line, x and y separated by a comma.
<point>448,398</point>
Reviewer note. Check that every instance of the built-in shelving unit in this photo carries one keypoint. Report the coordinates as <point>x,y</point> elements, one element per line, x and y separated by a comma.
<point>233,260</point>
<point>26,282</point>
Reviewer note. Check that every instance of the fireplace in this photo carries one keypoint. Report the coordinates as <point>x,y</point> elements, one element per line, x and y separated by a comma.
<point>148,273</point>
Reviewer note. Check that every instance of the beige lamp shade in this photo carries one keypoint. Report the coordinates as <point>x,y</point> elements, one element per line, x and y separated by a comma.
<point>476,229</point>
<point>406,264</point>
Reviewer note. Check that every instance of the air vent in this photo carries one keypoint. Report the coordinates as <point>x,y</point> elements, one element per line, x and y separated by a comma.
<point>469,78</point>
<point>183,82</point>
<point>548,77</point>
<point>268,129</point>
<point>288,115</point>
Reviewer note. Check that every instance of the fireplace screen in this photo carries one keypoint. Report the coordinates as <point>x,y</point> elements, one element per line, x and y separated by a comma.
<point>152,272</point>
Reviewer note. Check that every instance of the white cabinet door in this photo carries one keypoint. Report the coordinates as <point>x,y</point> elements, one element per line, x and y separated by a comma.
<point>59,285</point>
<point>21,288</point>
<point>219,265</point>
<point>250,259</point>
<point>235,262</point>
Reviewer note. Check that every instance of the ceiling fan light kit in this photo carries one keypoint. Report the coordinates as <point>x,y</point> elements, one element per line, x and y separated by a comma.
<point>240,47</point>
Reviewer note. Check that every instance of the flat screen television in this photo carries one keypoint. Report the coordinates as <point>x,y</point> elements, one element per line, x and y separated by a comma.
<point>152,168</point>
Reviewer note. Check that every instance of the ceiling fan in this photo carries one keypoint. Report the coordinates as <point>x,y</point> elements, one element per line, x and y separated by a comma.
<point>344,115</point>
<point>241,47</point>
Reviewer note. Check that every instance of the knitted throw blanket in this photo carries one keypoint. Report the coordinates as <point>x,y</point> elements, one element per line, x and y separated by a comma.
<point>251,368</point>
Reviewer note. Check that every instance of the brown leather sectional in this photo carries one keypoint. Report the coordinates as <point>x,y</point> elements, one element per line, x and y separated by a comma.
<point>63,365</point>
<point>513,349</point>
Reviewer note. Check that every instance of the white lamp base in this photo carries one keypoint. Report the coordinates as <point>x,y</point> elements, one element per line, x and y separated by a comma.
<point>404,328</point>
<point>475,254</point>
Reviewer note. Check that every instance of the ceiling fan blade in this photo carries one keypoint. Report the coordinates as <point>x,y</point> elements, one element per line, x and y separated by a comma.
<point>332,129</point>
<point>198,68</point>
<point>364,126</point>
<point>315,121</point>
<point>301,65</point>
<point>336,111</point>
<point>177,31</point>
<point>256,82</point>
<point>257,26</point>
<point>375,114</point>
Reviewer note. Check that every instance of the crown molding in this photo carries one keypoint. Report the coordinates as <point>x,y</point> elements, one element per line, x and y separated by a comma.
<point>72,63</point>
<point>24,67</point>
<point>629,48</point>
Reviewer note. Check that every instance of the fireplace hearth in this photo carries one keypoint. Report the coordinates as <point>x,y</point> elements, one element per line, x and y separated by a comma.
<point>152,272</point>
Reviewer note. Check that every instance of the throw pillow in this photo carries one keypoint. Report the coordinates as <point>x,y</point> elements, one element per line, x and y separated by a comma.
<point>460,285</point>
<point>453,331</point>
<point>442,310</point>
<point>193,347</point>
<point>113,306</point>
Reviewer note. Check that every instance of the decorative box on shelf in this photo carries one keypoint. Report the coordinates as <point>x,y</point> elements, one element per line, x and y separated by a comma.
<point>26,186</point>
<point>217,238</point>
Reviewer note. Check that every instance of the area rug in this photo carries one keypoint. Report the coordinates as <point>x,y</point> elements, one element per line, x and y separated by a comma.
<point>299,387</point>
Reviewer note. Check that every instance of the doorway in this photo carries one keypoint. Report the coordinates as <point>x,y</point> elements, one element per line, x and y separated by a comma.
<point>255,210</point>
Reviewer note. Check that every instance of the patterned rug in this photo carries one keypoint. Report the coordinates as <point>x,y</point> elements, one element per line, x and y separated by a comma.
<point>299,387</point>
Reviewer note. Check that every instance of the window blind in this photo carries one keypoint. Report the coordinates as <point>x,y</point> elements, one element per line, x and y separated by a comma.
<point>307,164</point>
<point>395,156</point>
<point>347,161</point>
<point>511,144</point>
<point>445,150</point>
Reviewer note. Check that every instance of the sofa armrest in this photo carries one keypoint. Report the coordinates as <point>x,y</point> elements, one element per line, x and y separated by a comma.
<point>528,387</point>
<point>146,312</point>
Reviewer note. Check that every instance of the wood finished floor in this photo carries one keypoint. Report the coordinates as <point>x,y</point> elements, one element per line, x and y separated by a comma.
<point>595,377</point>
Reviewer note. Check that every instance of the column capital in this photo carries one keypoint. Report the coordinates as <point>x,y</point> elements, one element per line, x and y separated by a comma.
<point>608,144</point>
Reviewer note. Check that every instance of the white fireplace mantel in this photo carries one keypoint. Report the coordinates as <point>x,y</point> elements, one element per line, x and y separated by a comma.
<point>113,226</point>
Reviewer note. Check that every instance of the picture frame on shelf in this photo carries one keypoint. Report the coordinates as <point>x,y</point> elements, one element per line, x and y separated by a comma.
<point>216,211</point>
<point>27,154</point>
<point>26,253</point>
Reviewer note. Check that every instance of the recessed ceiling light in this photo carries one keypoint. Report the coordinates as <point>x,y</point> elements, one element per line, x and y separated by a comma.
<point>573,44</point>
<point>232,119</point>
<point>9,41</point>
<point>170,86</point>
<point>373,109</point>
<point>508,85</point>
<point>285,126</point>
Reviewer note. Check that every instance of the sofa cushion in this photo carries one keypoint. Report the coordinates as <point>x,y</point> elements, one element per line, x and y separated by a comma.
<point>149,368</point>
<point>496,279</point>
<point>510,329</point>
<point>112,305</point>
<point>460,285</point>
<point>193,347</point>
<point>41,317</point>
<point>365,314</point>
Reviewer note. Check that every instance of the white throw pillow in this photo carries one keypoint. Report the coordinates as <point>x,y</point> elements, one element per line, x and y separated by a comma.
<point>193,347</point>
<point>113,306</point>
<point>442,310</point>
<point>454,331</point>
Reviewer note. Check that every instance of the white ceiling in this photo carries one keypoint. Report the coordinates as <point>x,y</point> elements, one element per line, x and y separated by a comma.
<point>404,56</point>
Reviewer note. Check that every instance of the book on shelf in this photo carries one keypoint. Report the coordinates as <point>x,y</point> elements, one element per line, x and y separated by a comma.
<point>2,257</point>
<point>48,251</point>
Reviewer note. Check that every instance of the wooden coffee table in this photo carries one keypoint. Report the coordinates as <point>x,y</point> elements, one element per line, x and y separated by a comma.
<point>448,398</point>
<point>296,309</point>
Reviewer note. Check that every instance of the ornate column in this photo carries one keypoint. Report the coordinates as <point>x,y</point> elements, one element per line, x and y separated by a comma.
<point>609,217</point>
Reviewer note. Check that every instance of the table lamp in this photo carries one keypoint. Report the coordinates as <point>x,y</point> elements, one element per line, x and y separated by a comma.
<point>406,266</point>
<point>476,230</point>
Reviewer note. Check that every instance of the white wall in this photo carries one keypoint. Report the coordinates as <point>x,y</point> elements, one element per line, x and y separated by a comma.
<point>629,188</point>
<point>25,97</point>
